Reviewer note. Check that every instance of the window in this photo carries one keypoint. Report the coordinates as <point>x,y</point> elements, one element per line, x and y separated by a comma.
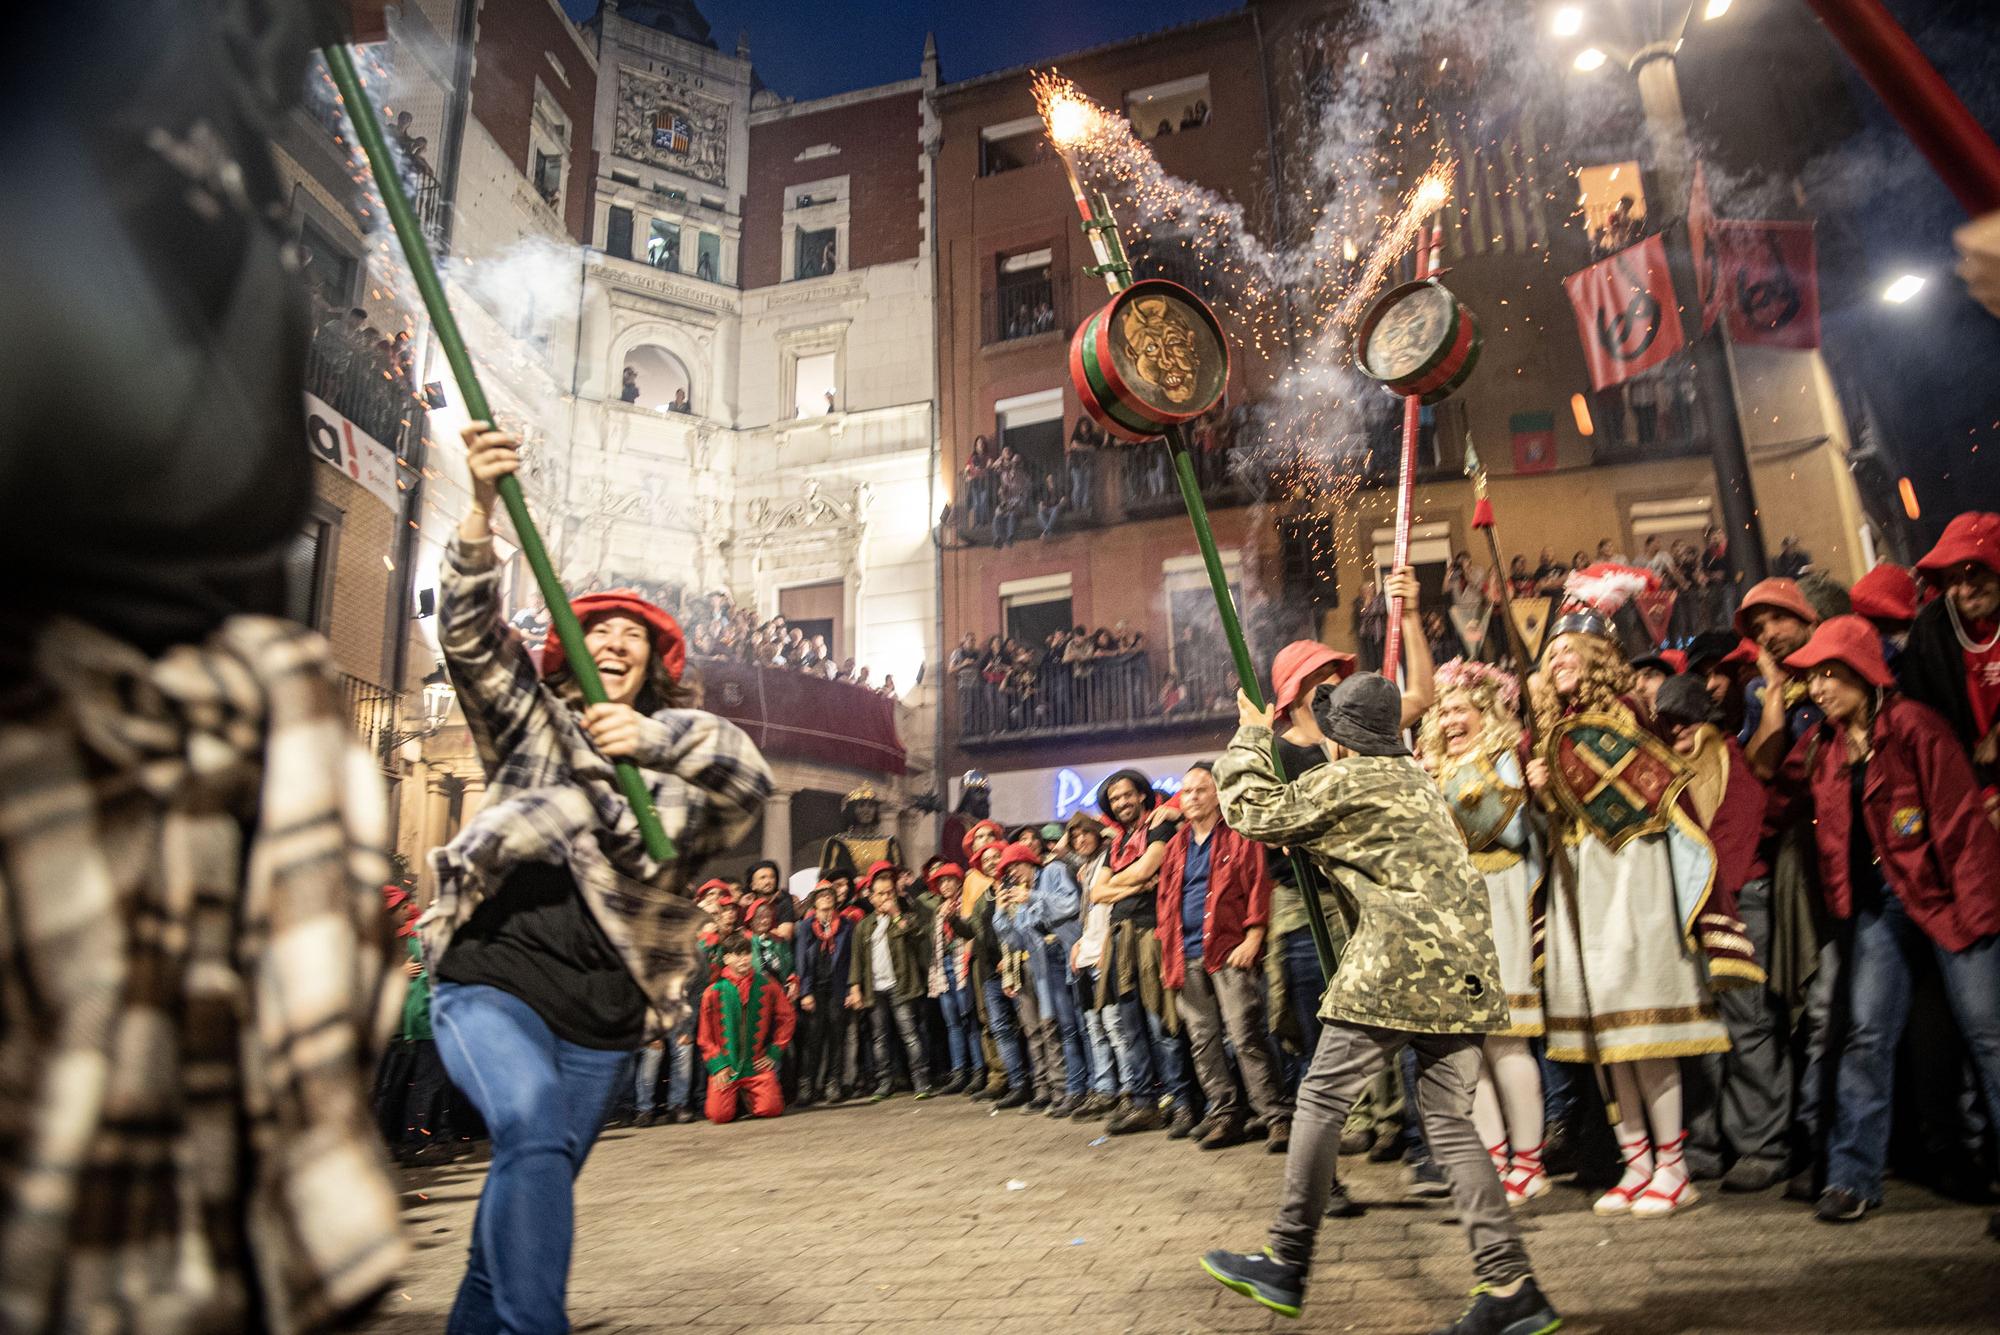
<point>818,254</point>
<point>816,609</point>
<point>1613,203</point>
<point>1168,108</point>
<point>1034,609</point>
<point>308,571</point>
<point>1032,426</point>
<point>1198,648</point>
<point>329,268</point>
<point>663,246</point>
<point>618,233</point>
<point>1430,553</point>
<point>1023,301</point>
<point>654,378</point>
<point>814,392</point>
<point>708,257</point>
<point>1670,519</point>
<point>548,175</point>
<point>625,178</point>
<point>1004,148</point>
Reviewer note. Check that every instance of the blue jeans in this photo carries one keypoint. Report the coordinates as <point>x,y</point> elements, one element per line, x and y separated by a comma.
<point>1158,1067</point>
<point>1006,1029</point>
<point>646,1078</point>
<point>1058,1000</point>
<point>1005,522</point>
<point>1099,1027</point>
<point>1886,946</point>
<point>543,1100</point>
<point>1079,488</point>
<point>961,1026</point>
<point>681,1091</point>
<point>1305,985</point>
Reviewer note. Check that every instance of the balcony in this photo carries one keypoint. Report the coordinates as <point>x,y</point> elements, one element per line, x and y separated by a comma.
<point>792,715</point>
<point>371,714</point>
<point>322,106</point>
<point>1021,309</point>
<point>363,383</point>
<point>1125,695</point>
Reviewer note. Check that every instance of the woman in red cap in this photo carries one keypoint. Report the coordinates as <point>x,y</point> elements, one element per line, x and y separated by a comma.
<point>559,944</point>
<point>1908,861</point>
<point>1952,661</point>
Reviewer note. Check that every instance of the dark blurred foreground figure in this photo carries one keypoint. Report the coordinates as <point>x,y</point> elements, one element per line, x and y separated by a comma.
<point>190,843</point>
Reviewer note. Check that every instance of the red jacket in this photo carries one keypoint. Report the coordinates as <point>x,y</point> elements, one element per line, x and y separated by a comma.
<point>1923,814</point>
<point>1239,898</point>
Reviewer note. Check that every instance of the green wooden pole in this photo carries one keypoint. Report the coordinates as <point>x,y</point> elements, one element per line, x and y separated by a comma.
<point>568,630</point>
<point>1246,670</point>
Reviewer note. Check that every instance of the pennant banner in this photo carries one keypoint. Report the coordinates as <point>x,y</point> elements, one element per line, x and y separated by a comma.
<point>1770,282</point>
<point>1471,628</point>
<point>1534,441</point>
<point>1625,312</point>
<point>1656,609</point>
<point>1531,618</point>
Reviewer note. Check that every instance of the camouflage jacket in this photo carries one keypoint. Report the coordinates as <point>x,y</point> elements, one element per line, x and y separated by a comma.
<point>1421,956</point>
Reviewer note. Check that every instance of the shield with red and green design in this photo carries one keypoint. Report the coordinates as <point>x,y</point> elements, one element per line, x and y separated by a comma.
<point>1619,780</point>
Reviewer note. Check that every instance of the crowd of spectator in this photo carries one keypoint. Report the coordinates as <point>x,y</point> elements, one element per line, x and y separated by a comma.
<point>366,375</point>
<point>725,630</point>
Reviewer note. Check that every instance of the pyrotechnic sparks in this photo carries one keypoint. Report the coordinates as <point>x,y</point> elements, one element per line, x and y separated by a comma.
<point>1072,119</point>
<point>1403,232</point>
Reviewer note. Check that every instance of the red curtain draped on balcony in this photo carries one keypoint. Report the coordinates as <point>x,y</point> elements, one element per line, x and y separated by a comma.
<point>791,716</point>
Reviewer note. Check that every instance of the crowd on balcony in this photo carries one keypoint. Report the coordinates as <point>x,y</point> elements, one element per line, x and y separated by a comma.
<point>727,631</point>
<point>1006,497</point>
<point>367,376</point>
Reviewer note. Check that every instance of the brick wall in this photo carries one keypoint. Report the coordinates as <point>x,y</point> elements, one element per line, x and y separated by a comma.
<point>516,41</point>
<point>878,154</point>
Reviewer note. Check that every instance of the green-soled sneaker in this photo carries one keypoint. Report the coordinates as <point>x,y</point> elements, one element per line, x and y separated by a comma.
<point>1523,1312</point>
<point>1259,1277</point>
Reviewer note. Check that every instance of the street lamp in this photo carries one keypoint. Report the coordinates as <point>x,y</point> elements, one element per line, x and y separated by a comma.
<point>438,697</point>
<point>1643,36</point>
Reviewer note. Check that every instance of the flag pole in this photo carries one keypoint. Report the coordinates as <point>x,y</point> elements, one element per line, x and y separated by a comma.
<point>1406,476</point>
<point>562,618</point>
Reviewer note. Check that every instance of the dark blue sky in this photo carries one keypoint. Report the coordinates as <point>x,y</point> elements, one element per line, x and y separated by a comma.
<point>828,46</point>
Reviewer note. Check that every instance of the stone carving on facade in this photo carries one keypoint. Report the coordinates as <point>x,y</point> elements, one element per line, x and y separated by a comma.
<point>676,128</point>
<point>813,509</point>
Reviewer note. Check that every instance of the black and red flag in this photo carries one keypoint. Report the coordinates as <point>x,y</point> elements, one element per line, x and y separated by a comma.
<point>1770,282</point>
<point>1625,312</point>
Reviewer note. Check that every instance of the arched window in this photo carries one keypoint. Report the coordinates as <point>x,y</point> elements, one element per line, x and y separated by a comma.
<point>654,378</point>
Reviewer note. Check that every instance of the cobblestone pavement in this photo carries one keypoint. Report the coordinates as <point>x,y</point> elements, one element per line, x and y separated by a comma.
<point>903,1219</point>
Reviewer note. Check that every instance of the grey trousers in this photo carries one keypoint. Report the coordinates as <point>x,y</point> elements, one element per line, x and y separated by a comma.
<point>1231,1001</point>
<point>1045,1053</point>
<point>1447,1069</point>
<point>1743,1097</point>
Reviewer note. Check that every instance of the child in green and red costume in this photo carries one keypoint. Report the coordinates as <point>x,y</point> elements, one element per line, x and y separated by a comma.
<point>746,1024</point>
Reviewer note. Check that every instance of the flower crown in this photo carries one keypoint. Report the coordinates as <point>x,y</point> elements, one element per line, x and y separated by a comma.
<point>1477,678</point>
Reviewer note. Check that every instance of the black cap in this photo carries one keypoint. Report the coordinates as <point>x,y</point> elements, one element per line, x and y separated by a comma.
<point>1363,714</point>
<point>1710,647</point>
<point>1683,699</point>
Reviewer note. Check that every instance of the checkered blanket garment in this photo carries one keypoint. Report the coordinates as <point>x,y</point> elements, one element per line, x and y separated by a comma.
<point>551,797</point>
<point>197,982</point>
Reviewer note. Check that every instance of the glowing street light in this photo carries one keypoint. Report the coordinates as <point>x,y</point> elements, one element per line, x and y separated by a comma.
<point>1715,9</point>
<point>1902,289</point>
<point>1588,59</point>
<point>1569,20</point>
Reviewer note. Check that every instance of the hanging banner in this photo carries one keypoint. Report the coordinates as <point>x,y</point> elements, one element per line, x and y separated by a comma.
<point>1656,610</point>
<point>1534,441</point>
<point>1531,618</point>
<point>1771,282</point>
<point>1625,312</point>
<point>338,443</point>
<point>1707,268</point>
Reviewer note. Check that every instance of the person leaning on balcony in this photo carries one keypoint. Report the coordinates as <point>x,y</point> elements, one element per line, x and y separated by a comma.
<point>558,942</point>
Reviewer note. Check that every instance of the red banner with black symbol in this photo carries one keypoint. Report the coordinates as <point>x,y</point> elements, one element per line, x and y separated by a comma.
<point>1625,312</point>
<point>1770,282</point>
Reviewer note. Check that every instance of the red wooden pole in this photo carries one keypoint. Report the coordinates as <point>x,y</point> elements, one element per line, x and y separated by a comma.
<point>1962,153</point>
<point>1406,478</point>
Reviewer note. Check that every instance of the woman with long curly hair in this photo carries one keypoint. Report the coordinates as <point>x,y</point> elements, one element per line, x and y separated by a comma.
<point>1626,984</point>
<point>1471,744</point>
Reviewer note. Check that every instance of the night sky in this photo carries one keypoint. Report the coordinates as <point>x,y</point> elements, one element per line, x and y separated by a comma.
<point>830,46</point>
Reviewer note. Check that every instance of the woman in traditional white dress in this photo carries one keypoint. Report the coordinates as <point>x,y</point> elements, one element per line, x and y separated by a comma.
<point>1471,743</point>
<point>1626,983</point>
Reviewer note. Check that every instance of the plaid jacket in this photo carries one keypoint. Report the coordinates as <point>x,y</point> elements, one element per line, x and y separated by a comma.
<point>551,797</point>
<point>197,980</point>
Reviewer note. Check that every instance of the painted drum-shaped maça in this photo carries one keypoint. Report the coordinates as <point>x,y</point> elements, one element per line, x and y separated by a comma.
<point>1150,358</point>
<point>1418,339</point>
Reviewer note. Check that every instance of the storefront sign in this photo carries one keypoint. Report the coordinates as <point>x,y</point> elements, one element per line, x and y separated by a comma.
<point>1059,792</point>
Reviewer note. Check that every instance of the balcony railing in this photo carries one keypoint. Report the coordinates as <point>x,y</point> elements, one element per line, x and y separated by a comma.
<point>371,713</point>
<point>1061,700</point>
<point>363,384</point>
<point>1020,310</point>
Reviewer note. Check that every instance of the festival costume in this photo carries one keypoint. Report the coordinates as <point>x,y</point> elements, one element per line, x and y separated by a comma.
<point>746,1025</point>
<point>846,853</point>
<point>1490,805</point>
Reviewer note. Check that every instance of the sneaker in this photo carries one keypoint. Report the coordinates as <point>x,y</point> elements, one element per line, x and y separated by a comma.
<point>1138,1115</point>
<point>1063,1107</point>
<point>808,1096</point>
<point>1012,1098</point>
<point>1039,1101</point>
<point>990,1094</point>
<point>1224,1133</point>
<point>1388,1145</point>
<point>1180,1122</point>
<point>646,1118</point>
<point>1356,1141</point>
<point>958,1083</point>
<point>882,1091</point>
<point>1523,1312</point>
<point>682,1116</point>
<point>1340,1205</point>
<point>1559,1154</point>
<point>1838,1205</point>
<point>1752,1175</point>
<point>925,1091</point>
<point>1278,1140</point>
<point>1427,1180</point>
<point>1260,1277</point>
<point>1094,1105</point>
